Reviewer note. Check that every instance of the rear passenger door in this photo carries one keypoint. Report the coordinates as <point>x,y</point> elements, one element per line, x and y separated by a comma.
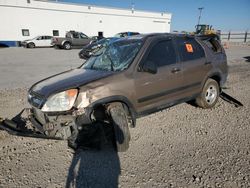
<point>194,64</point>
<point>154,91</point>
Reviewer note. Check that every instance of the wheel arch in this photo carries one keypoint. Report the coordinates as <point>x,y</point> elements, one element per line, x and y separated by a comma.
<point>120,99</point>
<point>31,42</point>
<point>66,41</point>
<point>215,76</point>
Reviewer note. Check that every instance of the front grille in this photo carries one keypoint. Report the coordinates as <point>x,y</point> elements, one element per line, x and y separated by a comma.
<point>35,100</point>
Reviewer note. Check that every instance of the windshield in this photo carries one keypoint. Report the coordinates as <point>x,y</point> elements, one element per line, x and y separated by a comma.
<point>115,57</point>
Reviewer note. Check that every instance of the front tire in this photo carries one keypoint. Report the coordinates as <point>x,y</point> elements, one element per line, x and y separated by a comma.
<point>120,125</point>
<point>31,45</point>
<point>209,95</point>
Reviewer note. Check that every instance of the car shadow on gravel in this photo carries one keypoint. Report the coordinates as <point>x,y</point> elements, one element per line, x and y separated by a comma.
<point>94,169</point>
<point>94,164</point>
<point>247,59</point>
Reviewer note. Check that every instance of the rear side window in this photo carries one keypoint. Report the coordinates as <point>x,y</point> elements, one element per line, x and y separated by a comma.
<point>75,35</point>
<point>162,53</point>
<point>48,37</point>
<point>189,49</point>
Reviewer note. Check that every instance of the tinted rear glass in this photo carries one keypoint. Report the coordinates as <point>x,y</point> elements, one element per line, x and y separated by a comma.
<point>189,49</point>
<point>213,44</point>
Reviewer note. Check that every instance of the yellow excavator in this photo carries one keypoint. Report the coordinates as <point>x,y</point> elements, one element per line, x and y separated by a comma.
<point>205,32</point>
<point>203,29</point>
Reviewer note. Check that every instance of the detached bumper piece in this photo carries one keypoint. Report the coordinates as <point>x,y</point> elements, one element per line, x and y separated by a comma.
<point>17,127</point>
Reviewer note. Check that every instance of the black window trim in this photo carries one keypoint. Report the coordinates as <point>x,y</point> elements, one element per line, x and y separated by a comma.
<point>153,42</point>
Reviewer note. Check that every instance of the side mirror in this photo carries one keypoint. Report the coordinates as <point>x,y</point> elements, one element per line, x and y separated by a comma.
<point>150,67</point>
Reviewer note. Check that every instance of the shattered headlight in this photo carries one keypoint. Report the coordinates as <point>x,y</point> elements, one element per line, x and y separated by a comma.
<point>62,101</point>
<point>83,100</point>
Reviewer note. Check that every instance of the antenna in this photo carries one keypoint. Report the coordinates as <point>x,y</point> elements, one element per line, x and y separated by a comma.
<point>132,7</point>
<point>200,9</point>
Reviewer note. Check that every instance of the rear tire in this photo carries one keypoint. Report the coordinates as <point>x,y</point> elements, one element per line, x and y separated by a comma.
<point>57,47</point>
<point>67,46</point>
<point>209,95</point>
<point>120,125</point>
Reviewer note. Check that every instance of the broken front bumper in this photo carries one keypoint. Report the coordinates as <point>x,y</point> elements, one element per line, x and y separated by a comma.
<point>14,128</point>
<point>34,123</point>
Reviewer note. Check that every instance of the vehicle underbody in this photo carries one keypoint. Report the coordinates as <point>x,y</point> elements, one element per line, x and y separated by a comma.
<point>78,127</point>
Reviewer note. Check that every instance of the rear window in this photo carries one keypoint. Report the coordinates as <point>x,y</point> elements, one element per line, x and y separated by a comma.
<point>213,44</point>
<point>189,49</point>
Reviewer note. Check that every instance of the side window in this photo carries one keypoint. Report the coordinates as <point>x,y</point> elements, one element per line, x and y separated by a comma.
<point>68,35</point>
<point>124,34</point>
<point>189,49</point>
<point>162,53</point>
<point>75,35</point>
<point>83,36</point>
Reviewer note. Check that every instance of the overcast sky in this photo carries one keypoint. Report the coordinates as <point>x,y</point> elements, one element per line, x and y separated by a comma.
<point>222,14</point>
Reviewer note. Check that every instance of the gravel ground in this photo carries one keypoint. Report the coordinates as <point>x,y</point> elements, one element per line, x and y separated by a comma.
<point>183,146</point>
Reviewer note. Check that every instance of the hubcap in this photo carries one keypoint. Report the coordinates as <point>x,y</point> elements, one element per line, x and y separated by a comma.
<point>211,94</point>
<point>67,46</point>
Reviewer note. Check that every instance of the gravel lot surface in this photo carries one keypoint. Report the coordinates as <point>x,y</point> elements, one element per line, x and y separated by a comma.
<point>183,146</point>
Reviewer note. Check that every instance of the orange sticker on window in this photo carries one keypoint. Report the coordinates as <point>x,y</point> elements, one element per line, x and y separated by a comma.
<point>189,48</point>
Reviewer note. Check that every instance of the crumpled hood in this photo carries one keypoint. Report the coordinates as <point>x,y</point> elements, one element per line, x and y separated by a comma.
<point>67,80</point>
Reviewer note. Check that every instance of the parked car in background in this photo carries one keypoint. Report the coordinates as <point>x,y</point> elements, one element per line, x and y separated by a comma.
<point>39,41</point>
<point>90,49</point>
<point>126,34</point>
<point>130,78</point>
<point>72,38</point>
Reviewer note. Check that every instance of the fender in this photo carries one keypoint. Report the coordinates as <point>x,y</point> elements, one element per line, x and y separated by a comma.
<point>65,41</point>
<point>210,74</point>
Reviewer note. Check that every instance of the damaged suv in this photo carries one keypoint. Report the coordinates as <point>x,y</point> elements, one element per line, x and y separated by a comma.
<point>127,79</point>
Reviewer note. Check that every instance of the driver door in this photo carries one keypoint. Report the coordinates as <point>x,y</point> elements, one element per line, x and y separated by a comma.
<point>39,41</point>
<point>153,91</point>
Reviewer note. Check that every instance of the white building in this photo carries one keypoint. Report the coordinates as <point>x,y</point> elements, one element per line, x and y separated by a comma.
<point>24,19</point>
